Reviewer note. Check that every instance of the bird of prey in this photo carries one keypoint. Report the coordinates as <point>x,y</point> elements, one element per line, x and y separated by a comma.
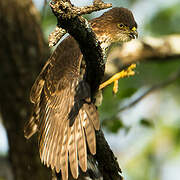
<point>64,114</point>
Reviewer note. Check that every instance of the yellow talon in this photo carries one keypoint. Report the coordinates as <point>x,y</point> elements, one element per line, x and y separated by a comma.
<point>115,87</point>
<point>124,73</point>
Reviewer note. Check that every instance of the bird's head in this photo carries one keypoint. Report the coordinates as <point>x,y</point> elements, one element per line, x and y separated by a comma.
<point>115,25</point>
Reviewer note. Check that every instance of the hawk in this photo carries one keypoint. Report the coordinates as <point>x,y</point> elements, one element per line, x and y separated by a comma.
<point>64,114</point>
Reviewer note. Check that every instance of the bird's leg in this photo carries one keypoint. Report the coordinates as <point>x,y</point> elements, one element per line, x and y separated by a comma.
<point>114,79</point>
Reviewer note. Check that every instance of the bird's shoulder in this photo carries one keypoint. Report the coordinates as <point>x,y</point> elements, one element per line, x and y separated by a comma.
<point>60,69</point>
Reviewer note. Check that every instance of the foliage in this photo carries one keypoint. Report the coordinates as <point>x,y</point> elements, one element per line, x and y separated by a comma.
<point>165,21</point>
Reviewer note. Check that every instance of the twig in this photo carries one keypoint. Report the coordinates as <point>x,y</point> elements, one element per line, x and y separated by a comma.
<point>72,11</point>
<point>155,87</point>
<point>55,36</point>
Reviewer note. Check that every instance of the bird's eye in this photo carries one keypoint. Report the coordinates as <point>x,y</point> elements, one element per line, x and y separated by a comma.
<point>121,25</point>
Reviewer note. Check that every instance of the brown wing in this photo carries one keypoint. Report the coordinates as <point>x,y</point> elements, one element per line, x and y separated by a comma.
<point>54,69</point>
<point>65,116</point>
<point>31,127</point>
<point>57,138</point>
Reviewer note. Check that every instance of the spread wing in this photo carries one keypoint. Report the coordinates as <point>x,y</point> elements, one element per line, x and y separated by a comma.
<point>63,115</point>
<point>65,118</point>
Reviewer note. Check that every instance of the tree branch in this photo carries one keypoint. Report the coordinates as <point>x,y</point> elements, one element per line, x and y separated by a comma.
<point>66,10</point>
<point>55,36</point>
<point>79,28</point>
<point>155,87</point>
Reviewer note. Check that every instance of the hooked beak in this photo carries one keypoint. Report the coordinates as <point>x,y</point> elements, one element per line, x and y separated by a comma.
<point>133,34</point>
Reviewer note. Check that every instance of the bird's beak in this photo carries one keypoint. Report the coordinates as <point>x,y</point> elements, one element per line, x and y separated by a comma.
<point>134,33</point>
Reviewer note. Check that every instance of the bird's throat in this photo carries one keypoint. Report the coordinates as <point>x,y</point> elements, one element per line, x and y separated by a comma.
<point>105,43</point>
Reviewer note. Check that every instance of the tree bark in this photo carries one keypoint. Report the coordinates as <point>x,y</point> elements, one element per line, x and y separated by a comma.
<point>22,51</point>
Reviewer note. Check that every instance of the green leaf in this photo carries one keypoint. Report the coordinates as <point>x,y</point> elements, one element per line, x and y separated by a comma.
<point>113,125</point>
<point>165,21</point>
<point>146,123</point>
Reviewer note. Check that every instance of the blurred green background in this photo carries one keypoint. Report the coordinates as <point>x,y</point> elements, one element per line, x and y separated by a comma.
<point>145,137</point>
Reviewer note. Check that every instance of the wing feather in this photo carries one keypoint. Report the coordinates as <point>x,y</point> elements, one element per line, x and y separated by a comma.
<point>52,159</point>
<point>59,139</point>
<point>82,152</point>
<point>64,153</point>
<point>73,152</point>
<point>92,114</point>
<point>55,97</point>
<point>90,134</point>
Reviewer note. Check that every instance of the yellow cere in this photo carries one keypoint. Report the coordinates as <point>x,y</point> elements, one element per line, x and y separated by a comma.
<point>134,28</point>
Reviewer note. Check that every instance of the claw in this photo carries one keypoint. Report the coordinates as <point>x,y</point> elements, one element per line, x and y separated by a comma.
<point>115,87</point>
<point>114,79</point>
